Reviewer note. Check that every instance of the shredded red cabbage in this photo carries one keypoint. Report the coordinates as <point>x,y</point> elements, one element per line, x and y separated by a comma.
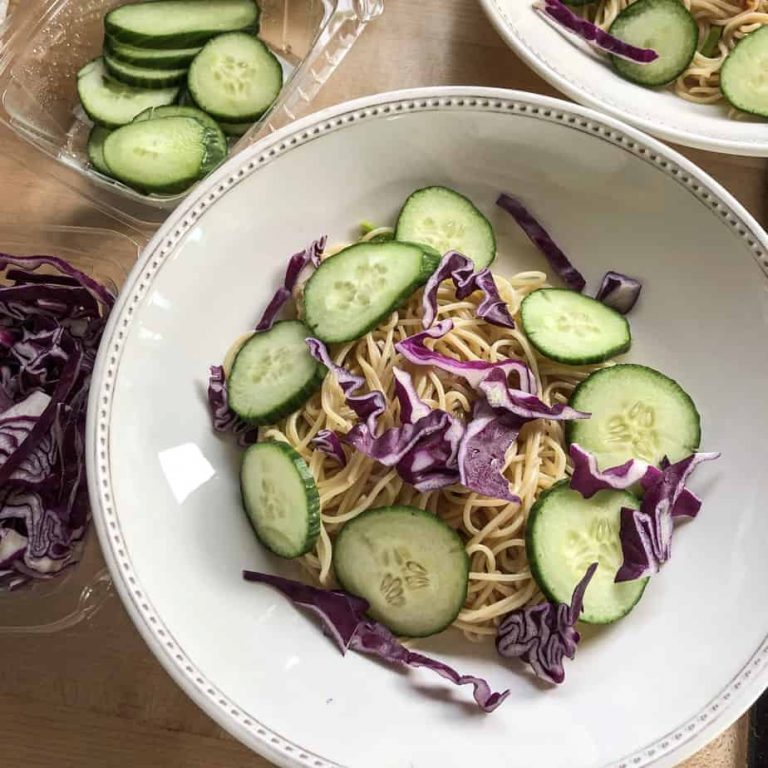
<point>224,419</point>
<point>368,407</point>
<point>412,407</point>
<point>587,479</point>
<point>328,442</point>
<point>543,635</point>
<point>296,264</point>
<point>562,15</point>
<point>646,533</point>
<point>50,328</point>
<point>461,270</point>
<point>344,620</point>
<point>541,239</point>
<point>473,372</point>
<point>618,291</point>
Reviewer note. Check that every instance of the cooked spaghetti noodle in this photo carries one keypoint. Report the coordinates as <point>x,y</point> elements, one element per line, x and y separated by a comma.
<point>700,83</point>
<point>493,530</point>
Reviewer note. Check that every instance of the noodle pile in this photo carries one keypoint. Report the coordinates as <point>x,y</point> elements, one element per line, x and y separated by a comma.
<point>493,530</point>
<point>700,83</point>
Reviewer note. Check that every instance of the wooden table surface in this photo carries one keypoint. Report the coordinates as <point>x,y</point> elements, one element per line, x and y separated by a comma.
<point>94,696</point>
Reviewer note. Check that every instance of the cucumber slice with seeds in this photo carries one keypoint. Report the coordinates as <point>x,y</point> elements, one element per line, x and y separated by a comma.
<point>273,374</point>
<point>743,78</point>
<point>113,104</point>
<point>668,28</point>
<point>95,149</point>
<point>447,221</point>
<point>408,564</point>
<point>566,533</point>
<point>235,78</point>
<point>572,328</point>
<point>171,58</point>
<point>179,23</point>
<point>143,77</point>
<point>353,291</point>
<point>280,498</point>
<point>164,156</point>
<point>637,413</point>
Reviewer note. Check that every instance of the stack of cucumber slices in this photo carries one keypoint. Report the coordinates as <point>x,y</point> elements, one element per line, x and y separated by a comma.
<point>158,54</point>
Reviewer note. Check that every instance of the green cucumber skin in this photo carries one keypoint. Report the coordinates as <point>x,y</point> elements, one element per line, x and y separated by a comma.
<point>634,72</point>
<point>313,501</point>
<point>416,513</point>
<point>287,406</point>
<point>607,354</point>
<point>120,71</point>
<point>171,58</point>
<point>172,41</point>
<point>427,268</point>
<point>95,149</point>
<point>535,566</point>
<point>571,427</point>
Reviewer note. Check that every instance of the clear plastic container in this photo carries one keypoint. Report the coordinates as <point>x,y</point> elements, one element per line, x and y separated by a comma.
<point>43,44</point>
<point>77,592</point>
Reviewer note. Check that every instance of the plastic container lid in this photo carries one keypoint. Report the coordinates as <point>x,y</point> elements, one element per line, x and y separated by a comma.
<point>44,43</point>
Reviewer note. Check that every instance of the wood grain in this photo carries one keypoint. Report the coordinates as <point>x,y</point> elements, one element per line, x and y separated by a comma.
<point>94,697</point>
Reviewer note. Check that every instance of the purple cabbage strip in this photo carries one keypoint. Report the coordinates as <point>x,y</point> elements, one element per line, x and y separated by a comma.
<point>296,264</point>
<point>473,372</point>
<point>461,270</point>
<point>591,33</point>
<point>412,407</point>
<point>50,328</point>
<point>368,407</point>
<point>619,292</point>
<point>223,418</point>
<point>587,479</point>
<point>543,635</point>
<point>499,395</point>
<point>344,620</point>
<point>542,240</point>
<point>483,451</point>
<point>646,533</point>
<point>327,441</point>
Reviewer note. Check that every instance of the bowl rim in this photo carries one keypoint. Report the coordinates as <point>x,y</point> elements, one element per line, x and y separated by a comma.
<point>655,125</point>
<point>669,748</point>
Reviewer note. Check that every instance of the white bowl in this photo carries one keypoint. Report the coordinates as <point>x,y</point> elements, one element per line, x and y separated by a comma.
<point>649,690</point>
<point>570,66</point>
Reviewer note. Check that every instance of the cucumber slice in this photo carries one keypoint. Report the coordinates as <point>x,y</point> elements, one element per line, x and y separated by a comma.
<point>234,129</point>
<point>353,291</point>
<point>280,498</point>
<point>743,76</point>
<point>143,77</point>
<point>572,328</point>
<point>235,78</point>
<point>668,28</point>
<point>113,104</point>
<point>149,57</point>
<point>95,149</point>
<point>218,140</point>
<point>179,23</point>
<point>273,374</point>
<point>565,534</point>
<point>447,221</point>
<point>637,413</point>
<point>165,156</point>
<point>408,564</point>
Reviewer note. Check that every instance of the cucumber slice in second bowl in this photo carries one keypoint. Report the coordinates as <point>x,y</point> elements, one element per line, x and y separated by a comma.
<point>353,291</point>
<point>143,77</point>
<point>273,374</point>
<point>743,77</point>
<point>408,564</point>
<point>667,27</point>
<point>95,149</point>
<point>637,413</point>
<point>566,533</point>
<point>447,221</point>
<point>280,498</point>
<point>572,328</point>
<point>235,78</point>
